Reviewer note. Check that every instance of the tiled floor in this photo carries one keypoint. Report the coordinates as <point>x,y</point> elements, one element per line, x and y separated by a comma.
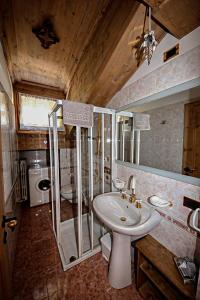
<point>69,235</point>
<point>38,273</point>
<point>69,210</point>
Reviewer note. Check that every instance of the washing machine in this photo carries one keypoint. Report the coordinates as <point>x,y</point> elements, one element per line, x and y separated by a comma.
<point>39,185</point>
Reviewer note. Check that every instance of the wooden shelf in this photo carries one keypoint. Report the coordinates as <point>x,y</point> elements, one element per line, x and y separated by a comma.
<point>160,282</point>
<point>155,264</point>
<point>147,291</point>
<point>36,132</point>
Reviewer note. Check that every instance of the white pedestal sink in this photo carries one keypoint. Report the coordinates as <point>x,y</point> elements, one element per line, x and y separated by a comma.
<point>125,220</point>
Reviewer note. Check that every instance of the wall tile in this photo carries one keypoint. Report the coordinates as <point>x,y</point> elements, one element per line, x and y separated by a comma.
<point>166,76</point>
<point>148,184</point>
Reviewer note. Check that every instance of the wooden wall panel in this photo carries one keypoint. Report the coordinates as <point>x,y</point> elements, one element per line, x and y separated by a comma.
<point>39,142</point>
<point>74,23</point>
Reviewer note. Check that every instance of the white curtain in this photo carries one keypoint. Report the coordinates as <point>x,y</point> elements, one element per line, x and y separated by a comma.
<point>34,112</point>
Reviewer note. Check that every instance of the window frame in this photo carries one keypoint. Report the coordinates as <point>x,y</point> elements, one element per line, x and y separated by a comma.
<point>34,90</point>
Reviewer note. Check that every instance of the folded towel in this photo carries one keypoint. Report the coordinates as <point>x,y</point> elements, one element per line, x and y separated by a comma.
<point>141,121</point>
<point>77,114</point>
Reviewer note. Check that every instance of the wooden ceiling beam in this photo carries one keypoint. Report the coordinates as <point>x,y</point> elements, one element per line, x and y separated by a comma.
<point>97,54</point>
<point>180,17</point>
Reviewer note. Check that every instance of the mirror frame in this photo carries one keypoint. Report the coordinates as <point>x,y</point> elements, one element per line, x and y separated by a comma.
<point>168,92</point>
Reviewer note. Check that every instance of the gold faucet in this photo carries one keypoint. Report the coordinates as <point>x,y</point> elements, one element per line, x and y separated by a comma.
<point>138,204</point>
<point>132,197</point>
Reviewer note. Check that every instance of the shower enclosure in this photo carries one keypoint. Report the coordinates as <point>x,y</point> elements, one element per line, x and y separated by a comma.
<point>82,166</point>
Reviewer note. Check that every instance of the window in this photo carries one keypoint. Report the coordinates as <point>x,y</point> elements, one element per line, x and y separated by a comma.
<point>33,112</point>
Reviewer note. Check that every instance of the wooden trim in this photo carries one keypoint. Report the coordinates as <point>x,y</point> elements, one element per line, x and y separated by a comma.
<point>17,107</point>
<point>39,90</point>
<point>5,268</point>
<point>44,132</point>
<point>38,132</point>
<point>154,19</point>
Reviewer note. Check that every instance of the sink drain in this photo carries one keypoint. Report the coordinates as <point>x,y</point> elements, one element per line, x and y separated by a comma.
<point>123,219</point>
<point>72,258</point>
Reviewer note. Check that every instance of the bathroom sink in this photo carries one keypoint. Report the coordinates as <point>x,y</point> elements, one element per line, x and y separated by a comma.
<point>125,221</point>
<point>123,217</point>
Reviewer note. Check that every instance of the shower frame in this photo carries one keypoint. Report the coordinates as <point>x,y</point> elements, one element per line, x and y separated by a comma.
<point>55,184</point>
<point>135,135</point>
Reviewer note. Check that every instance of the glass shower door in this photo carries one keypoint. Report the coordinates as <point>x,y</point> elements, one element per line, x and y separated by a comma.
<point>81,168</point>
<point>54,169</point>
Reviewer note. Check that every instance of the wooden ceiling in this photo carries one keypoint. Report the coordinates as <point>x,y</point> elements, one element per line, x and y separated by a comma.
<point>93,60</point>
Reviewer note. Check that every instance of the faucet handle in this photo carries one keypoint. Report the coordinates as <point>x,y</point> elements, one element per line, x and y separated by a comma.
<point>138,203</point>
<point>124,194</point>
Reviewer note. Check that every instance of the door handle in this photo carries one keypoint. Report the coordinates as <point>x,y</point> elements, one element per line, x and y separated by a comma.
<point>11,222</point>
<point>188,170</point>
<point>194,219</point>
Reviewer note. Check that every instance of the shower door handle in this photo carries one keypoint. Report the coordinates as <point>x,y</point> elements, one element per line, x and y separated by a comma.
<point>194,220</point>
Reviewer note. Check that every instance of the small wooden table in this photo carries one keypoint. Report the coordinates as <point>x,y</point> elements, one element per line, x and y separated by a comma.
<point>157,276</point>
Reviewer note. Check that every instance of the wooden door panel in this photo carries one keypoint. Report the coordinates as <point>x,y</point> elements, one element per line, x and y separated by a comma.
<point>8,176</point>
<point>5,271</point>
<point>191,150</point>
<point>197,152</point>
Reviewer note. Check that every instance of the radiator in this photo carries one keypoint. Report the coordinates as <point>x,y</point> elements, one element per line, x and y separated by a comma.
<point>17,191</point>
<point>23,180</point>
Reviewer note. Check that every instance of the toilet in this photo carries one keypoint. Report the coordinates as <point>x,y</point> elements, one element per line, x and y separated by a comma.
<point>69,193</point>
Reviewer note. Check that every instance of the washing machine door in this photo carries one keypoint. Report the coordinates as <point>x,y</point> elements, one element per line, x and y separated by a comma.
<point>44,185</point>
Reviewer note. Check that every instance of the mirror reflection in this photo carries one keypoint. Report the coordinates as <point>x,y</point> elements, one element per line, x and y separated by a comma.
<point>162,134</point>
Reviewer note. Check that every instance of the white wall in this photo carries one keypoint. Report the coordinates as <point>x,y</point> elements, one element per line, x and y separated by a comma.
<point>187,43</point>
<point>5,80</point>
<point>173,231</point>
<point>162,146</point>
<point>159,76</point>
<point>7,130</point>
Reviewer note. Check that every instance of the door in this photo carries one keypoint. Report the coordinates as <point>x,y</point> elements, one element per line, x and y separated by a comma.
<point>191,151</point>
<point>5,272</point>
<point>8,198</point>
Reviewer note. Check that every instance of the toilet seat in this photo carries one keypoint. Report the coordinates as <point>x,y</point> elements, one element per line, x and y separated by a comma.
<point>67,192</point>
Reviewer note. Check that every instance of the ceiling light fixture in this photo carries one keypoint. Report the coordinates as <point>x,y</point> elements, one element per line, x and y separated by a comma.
<point>149,43</point>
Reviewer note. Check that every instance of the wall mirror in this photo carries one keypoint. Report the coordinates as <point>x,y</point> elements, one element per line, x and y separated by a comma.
<point>162,134</point>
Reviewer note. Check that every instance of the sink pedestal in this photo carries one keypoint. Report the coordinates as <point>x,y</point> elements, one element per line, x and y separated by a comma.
<point>120,262</point>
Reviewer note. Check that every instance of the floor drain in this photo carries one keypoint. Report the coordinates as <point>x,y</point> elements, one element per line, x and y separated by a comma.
<point>72,258</point>
<point>123,219</point>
